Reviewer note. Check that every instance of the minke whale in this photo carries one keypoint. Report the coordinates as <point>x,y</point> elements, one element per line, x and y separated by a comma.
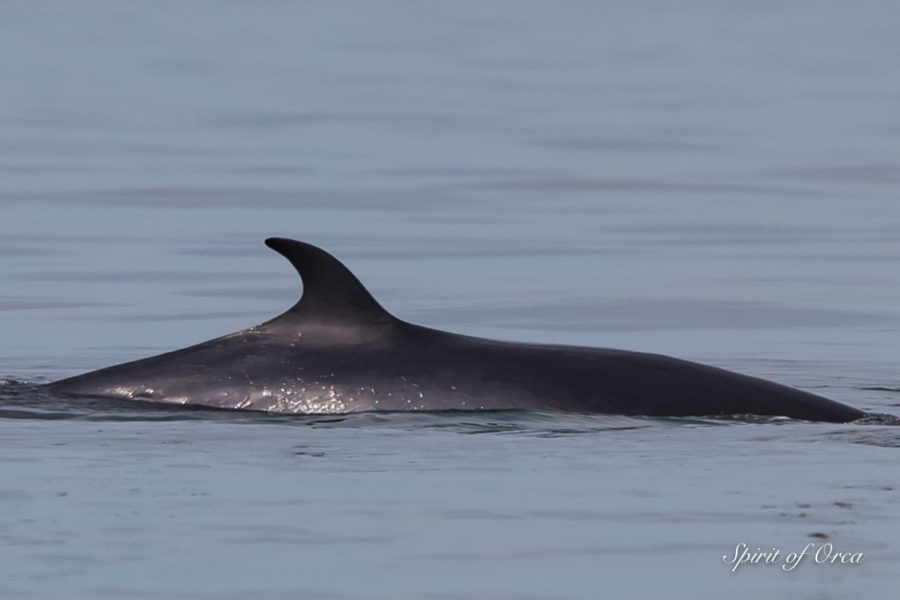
<point>338,351</point>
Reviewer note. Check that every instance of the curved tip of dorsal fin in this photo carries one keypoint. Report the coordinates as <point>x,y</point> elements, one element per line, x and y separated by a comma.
<point>330,290</point>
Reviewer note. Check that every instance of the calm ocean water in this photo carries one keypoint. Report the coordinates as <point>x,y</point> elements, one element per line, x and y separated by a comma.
<point>716,181</point>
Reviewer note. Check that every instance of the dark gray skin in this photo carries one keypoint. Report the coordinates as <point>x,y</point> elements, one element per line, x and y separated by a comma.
<point>337,351</point>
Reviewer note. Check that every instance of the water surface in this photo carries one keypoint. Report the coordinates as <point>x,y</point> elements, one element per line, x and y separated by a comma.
<point>715,181</point>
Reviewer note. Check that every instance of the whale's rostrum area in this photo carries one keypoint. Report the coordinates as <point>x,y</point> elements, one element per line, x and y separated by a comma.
<point>337,350</point>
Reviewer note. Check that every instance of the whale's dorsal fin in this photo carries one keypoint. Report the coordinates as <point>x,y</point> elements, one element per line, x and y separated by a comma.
<point>330,291</point>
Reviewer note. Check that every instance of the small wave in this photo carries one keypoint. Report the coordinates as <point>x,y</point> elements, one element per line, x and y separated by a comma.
<point>878,419</point>
<point>880,437</point>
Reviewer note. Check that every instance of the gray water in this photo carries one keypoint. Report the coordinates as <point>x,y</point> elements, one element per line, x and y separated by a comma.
<point>716,181</point>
